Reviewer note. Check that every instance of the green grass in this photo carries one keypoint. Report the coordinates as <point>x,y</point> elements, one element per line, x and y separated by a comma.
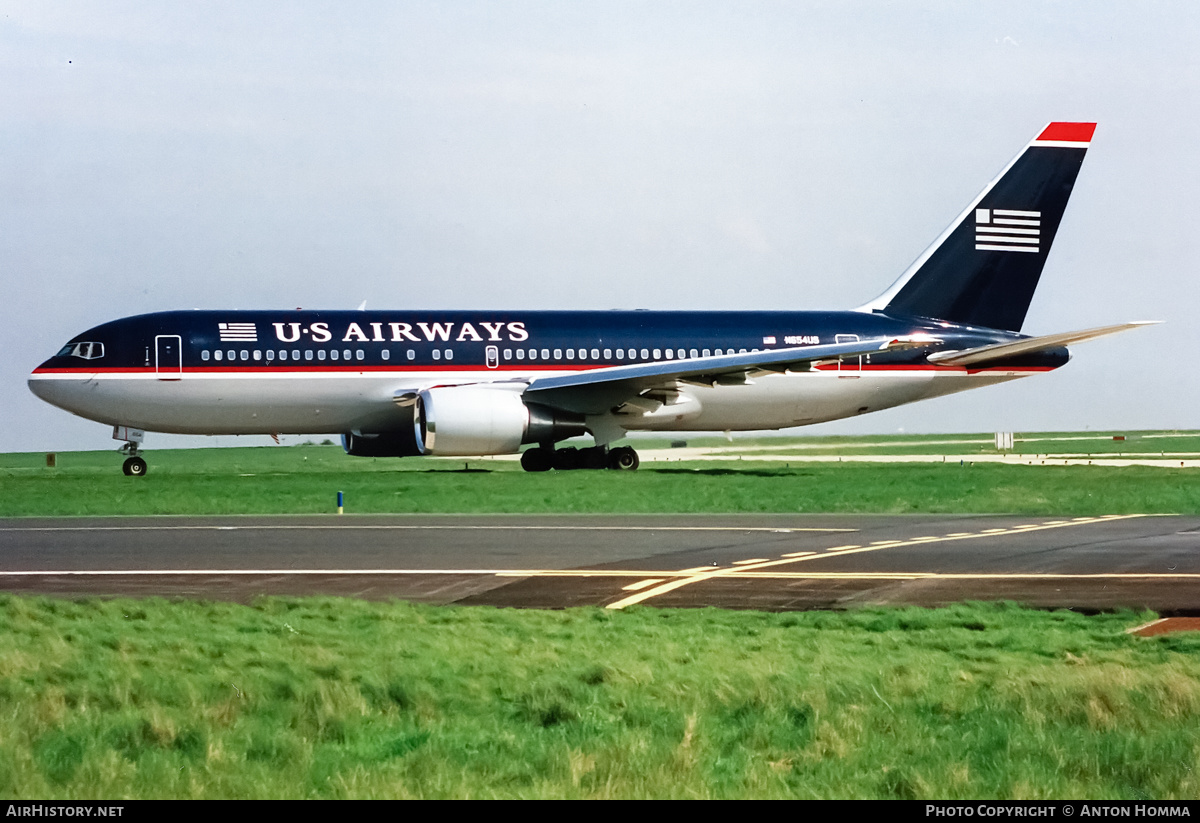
<point>326,698</point>
<point>1088,444</point>
<point>306,479</point>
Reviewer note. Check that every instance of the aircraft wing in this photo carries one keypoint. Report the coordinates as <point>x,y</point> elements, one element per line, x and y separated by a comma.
<point>983,354</point>
<point>600,390</point>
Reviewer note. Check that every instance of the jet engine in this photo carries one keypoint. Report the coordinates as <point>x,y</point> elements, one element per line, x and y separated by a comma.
<point>381,444</point>
<point>473,420</point>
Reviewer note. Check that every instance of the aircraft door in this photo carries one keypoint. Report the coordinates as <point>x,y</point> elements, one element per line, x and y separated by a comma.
<point>493,357</point>
<point>168,356</point>
<point>849,366</point>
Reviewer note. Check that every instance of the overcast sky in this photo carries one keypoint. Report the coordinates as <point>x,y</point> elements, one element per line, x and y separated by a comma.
<point>591,155</point>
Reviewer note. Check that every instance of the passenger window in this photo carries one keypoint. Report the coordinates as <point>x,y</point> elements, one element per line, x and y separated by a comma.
<point>558,354</point>
<point>546,354</point>
<point>620,354</point>
<point>595,354</point>
<point>282,354</point>
<point>204,355</point>
<point>520,354</point>
<point>437,354</point>
<point>345,354</point>
<point>508,354</point>
<point>333,355</point>
<point>412,355</point>
<point>385,354</point>
<point>270,355</point>
<point>359,354</point>
<point>295,354</point>
<point>570,354</point>
<point>669,354</point>
<point>321,354</point>
<point>657,354</point>
<point>645,354</point>
<point>257,354</point>
<point>308,355</point>
<point>449,354</point>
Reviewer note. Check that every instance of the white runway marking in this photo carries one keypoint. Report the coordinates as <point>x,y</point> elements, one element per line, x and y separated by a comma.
<point>767,529</point>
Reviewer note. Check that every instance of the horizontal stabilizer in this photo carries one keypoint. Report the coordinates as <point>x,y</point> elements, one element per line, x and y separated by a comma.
<point>970,357</point>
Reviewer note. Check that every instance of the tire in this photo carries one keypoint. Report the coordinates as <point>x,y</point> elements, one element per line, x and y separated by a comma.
<point>134,467</point>
<point>623,458</point>
<point>566,459</point>
<point>537,460</point>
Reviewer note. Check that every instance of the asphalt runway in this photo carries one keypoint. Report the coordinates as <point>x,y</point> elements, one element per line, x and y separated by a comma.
<point>771,562</point>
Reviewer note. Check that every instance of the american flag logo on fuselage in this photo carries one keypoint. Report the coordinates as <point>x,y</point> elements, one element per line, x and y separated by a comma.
<point>238,332</point>
<point>1007,230</point>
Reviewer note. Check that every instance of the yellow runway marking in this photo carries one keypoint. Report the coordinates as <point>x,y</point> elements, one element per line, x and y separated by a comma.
<point>641,584</point>
<point>744,571</point>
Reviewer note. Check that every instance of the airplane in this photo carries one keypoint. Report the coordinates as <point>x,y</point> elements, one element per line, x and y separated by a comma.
<point>468,383</point>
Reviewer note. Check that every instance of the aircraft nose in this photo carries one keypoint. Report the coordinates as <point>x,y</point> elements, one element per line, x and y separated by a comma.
<point>57,392</point>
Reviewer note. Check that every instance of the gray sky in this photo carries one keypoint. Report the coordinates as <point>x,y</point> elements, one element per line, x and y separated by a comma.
<point>591,155</point>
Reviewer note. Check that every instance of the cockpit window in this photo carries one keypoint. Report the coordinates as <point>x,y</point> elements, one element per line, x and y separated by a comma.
<point>88,350</point>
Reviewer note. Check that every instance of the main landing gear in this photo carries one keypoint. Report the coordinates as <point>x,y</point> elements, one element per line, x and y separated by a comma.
<point>544,458</point>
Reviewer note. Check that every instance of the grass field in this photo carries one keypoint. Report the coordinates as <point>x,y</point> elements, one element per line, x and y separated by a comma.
<point>336,699</point>
<point>306,479</point>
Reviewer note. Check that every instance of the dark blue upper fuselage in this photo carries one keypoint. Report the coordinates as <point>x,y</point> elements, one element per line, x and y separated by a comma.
<point>353,339</point>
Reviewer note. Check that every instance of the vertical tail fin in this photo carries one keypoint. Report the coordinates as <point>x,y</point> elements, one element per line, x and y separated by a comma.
<point>983,269</point>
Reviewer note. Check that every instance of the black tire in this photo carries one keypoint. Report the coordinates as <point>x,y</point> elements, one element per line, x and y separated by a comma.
<point>134,467</point>
<point>566,459</point>
<point>623,458</point>
<point>537,460</point>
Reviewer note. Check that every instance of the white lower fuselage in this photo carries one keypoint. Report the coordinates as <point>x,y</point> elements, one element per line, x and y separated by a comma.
<point>279,402</point>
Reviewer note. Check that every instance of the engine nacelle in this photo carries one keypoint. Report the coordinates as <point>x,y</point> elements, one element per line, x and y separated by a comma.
<point>381,444</point>
<point>471,420</point>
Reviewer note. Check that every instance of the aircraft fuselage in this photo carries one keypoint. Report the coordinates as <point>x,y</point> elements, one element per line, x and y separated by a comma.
<point>314,372</point>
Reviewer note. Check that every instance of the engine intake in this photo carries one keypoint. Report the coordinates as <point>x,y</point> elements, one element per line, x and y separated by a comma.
<point>472,420</point>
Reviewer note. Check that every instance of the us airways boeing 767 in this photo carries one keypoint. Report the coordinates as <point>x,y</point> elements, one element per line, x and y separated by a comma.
<point>401,383</point>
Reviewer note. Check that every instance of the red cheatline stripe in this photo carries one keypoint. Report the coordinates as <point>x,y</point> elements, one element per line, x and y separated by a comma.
<point>1069,132</point>
<point>299,372</point>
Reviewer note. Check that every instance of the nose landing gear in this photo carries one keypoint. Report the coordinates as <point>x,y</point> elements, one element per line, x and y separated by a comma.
<point>134,465</point>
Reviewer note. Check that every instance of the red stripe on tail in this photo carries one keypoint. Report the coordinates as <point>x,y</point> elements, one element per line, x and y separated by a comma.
<point>1069,132</point>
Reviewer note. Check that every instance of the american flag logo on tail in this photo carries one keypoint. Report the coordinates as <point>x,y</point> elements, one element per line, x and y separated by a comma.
<point>1007,230</point>
<point>238,332</point>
